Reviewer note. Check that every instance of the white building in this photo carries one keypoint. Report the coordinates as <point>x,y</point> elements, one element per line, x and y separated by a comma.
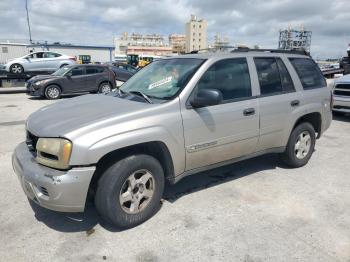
<point>98,53</point>
<point>151,44</point>
<point>196,34</point>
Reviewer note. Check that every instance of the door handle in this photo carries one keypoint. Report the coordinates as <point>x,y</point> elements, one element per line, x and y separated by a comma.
<point>295,103</point>
<point>249,112</point>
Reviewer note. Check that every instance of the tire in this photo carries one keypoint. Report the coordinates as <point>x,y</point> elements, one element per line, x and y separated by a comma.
<point>104,88</point>
<point>63,65</point>
<point>300,146</point>
<point>52,92</point>
<point>121,200</point>
<point>16,69</point>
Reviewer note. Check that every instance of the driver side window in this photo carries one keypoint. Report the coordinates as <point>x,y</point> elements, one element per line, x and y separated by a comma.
<point>77,71</point>
<point>230,76</point>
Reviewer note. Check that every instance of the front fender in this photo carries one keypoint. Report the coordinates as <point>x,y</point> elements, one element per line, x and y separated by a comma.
<point>95,151</point>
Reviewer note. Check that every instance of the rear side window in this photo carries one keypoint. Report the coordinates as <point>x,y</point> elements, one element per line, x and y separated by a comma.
<point>287,83</point>
<point>269,76</point>
<point>309,73</point>
<point>230,76</point>
<point>91,70</point>
<point>94,70</point>
<point>273,76</point>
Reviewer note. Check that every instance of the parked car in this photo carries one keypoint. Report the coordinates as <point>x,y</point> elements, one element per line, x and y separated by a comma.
<point>341,94</point>
<point>39,61</point>
<point>72,79</point>
<point>125,66</point>
<point>121,74</point>
<point>176,117</point>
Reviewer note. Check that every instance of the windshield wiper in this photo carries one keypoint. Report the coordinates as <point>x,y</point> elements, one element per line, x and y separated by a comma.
<point>139,93</point>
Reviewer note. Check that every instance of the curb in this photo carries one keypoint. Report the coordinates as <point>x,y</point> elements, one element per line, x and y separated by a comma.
<point>4,90</point>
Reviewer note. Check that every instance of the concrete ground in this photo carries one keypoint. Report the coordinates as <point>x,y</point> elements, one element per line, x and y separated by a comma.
<point>256,210</point>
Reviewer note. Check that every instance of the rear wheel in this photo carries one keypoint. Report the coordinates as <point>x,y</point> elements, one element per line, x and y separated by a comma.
<point>300,146</point>
<point>52,92</point>
<point>105,88</point>
<point>16,69</point>
<point>129,191</point>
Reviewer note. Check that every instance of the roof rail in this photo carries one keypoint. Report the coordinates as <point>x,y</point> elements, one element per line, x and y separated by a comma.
<point>281,51</point>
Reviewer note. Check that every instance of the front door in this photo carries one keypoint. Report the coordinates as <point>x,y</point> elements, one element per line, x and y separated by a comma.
<point>75,80</point>
<point>229,130</point>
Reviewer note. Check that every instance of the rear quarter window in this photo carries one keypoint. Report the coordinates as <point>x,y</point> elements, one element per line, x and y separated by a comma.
<point>309,73</point>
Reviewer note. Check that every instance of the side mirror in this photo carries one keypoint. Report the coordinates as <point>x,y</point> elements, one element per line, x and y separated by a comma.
<point>206,97</point>
<point>69,74</point>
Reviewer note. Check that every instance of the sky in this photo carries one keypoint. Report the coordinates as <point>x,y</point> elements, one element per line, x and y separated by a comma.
<point>250,22</point>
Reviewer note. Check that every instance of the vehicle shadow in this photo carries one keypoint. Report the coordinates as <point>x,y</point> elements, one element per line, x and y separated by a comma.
<point>341,117</point>
<point>217,176</point>
<point>80,222</point>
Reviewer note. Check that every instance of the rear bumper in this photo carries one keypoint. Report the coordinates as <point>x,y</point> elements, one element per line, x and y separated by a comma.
<point>341,104</point>
<point>57,190</point>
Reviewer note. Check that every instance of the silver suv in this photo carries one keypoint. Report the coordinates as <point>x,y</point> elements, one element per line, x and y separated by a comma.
<point>174,118</point>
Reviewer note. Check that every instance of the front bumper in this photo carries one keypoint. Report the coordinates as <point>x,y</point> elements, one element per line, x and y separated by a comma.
<point>57,190</point>
<point>33,91</point>
<point>341,104</point>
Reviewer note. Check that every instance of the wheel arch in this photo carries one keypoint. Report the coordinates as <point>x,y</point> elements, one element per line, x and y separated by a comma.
<point>157,149</point>
<point>105,80</point>
<point>314,118</point>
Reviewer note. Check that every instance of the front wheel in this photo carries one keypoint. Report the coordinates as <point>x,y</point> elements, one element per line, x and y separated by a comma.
<point>52,92</point>
<point>16,69</point>
<point>300,146</point>
<point>129,191</point>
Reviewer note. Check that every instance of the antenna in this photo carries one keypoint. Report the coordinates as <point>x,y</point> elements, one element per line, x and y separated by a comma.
<point>30,33</point>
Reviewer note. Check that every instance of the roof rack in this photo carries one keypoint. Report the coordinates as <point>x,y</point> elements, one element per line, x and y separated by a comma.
<point>280,51</point>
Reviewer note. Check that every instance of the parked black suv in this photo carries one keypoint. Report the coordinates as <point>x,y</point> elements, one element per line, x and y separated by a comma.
<point>72,79</point>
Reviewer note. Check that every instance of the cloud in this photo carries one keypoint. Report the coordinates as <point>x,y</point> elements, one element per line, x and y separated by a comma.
<point>246,21</point>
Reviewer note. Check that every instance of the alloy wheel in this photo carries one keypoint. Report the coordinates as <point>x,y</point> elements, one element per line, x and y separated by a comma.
<point>53,92</point>
<point>17,69</point>
<point>105,89</point>
<point>137,191</point>
<point>302,145</point>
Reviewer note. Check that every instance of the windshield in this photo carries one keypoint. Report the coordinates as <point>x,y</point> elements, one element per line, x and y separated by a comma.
<point>163,79</point>
<point>62,71</point>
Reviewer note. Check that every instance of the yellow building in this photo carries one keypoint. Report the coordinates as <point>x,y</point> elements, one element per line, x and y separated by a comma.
<point>196,34</point>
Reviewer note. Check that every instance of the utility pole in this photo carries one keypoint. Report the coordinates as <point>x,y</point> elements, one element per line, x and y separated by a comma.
<point>30,33</point>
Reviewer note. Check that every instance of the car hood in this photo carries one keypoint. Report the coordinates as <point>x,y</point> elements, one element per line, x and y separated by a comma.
<point>343,79</point>
<point>42,77</point>
<point>81,114</point>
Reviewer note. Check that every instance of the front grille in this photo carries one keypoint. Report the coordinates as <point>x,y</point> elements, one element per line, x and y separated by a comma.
<point>44,191</point>
<point>342,107</point>
<point>31,141</point>
<point>343,86</point>
<point>342,90</point>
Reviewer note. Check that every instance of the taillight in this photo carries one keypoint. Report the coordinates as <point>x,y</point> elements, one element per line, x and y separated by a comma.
<point>73,58</point>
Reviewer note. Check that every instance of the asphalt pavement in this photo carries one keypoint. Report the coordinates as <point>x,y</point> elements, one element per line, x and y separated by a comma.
<point>256,210</point>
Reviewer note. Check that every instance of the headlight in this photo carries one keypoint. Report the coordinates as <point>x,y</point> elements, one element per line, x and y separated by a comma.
<point>38,83</point>
<point>54,152</point>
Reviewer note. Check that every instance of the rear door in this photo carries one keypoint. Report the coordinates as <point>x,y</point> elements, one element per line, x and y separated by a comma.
<point>50,61</point>
<point>277,101</point>
<point>94,76</point>
<point>229,130</point>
